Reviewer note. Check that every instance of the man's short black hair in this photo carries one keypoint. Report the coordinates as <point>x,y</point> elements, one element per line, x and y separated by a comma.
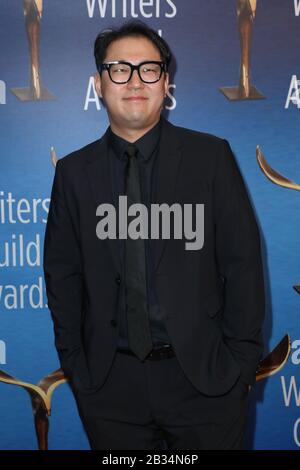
<point>130,29</point>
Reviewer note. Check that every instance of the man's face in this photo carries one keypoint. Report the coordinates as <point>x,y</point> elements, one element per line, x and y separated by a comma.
<point>133,105</point>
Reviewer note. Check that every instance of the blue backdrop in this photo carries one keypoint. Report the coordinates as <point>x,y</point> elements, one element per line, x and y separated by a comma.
<point>204,39</point>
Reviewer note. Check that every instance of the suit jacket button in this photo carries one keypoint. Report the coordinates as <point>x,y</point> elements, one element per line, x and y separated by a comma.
<point>118,280</point>
<point>113,323</point>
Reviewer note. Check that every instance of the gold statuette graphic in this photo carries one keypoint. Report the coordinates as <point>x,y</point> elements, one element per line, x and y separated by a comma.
<point>246,10</point>
<point>33,14</point>
<point>272,174</point>
<point>40,395</point>
<point>275,360</point>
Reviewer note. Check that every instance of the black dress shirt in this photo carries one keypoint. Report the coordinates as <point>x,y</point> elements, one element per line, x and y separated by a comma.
<point>147,146</point>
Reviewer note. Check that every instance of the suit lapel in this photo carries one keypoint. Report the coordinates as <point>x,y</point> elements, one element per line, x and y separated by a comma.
<point>100,179</point>
<point>169,158</point>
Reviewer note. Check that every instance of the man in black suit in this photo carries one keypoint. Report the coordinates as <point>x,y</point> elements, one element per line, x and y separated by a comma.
<point>161,343</point>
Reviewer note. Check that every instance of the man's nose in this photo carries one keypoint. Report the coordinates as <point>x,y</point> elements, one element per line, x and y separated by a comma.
<point>135,79</point>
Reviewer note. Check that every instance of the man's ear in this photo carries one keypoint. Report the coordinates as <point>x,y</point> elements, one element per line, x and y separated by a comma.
<point>167,77</point>
<point>97,80</point>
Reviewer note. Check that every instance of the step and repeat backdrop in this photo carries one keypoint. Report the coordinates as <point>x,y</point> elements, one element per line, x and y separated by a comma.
<point>236,74</point>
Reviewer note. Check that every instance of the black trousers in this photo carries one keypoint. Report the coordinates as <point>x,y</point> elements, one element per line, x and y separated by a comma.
<point>152,405</point>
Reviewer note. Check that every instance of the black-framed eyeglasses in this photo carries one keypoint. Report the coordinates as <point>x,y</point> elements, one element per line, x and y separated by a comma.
<point>121,72</point>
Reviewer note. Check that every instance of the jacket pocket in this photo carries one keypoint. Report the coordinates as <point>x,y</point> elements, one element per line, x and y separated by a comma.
<point>213,304</point>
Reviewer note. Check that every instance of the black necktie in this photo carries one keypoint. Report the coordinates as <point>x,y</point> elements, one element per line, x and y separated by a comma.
<point>139,335</point>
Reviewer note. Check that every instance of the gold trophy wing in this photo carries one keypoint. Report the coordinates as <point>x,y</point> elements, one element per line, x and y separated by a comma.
<point>42,391</point>
<point>53,156</point>
<point>275,360</point>
<point>49,383</point>
<point>31,388</point>
<point>272,174</point>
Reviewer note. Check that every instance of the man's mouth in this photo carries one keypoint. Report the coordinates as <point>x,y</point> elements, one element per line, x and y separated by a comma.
<point>136,98</point>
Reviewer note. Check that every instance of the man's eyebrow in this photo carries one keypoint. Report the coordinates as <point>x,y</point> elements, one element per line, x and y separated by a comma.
<point>118,60</point>
<point>124,60</point>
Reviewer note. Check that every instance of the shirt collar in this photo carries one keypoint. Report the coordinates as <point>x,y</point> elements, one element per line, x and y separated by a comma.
<point>145,144</point>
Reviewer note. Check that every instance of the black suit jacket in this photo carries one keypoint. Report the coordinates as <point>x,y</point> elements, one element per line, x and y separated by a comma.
<point>212,300</point>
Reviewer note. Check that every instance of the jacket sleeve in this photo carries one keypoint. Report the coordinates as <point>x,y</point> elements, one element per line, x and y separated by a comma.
<point>238,253</point>
<point>64,280</point>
